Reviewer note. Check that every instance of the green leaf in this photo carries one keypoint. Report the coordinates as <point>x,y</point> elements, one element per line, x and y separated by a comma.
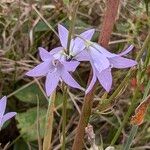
<point>59,101</point>
<point>66,2</point>
<point>130,139</point>
<point>41,26</point>
<point>27,123</point>
<point>20,145</point>
<point>30,93</point>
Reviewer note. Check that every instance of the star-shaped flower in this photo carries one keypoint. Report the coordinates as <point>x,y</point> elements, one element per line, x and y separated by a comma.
<point>55,70</point>
<point>102,61</point>
<point>76,45</point>
<point>7,116</point>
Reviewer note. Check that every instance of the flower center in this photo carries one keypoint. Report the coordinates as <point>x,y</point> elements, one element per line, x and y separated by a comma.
<point>55,62</point>
<point>88,43</point>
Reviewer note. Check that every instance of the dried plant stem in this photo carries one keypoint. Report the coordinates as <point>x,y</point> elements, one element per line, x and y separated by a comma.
<point>64,116</point>
<point>108,23</point>
<point>49,123</point>
<point>40,15</point>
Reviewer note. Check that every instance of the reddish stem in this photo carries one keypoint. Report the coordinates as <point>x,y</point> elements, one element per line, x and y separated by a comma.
<point>107,27</point>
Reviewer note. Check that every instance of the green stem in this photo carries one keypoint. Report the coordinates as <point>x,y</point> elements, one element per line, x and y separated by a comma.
<point>131,137</point>
<point>64,111</point>
<point>72,24</point>
<point>64,116</point>
<point>127,115</point>
<point>49,123</point>
<point>38,126</point>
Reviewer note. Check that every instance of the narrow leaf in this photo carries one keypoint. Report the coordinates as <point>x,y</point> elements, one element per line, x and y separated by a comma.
<point>131,137</point>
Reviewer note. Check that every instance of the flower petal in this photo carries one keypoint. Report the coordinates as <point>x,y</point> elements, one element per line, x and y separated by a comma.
<point>82,56</point>
<point>130,48</point>
<point>3,102</point>
<point>68,79</point>
<point>103,50</point>
<point>99,60</point>
<point>7,117</point>
<point>120,62</point>
<point>71,65</point>
<point>40,70</point>
<point>79,44</point>
<point>51,82</point>
<point>105,78</point>
<point>44,54</point>
<point>56,50</point>
<point>93,81</point>
<point>63,35</point>
<point>87,35</point>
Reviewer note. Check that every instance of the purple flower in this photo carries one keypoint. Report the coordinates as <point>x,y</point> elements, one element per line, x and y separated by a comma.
<point>76,45</point>
<point>55,65</point>
<point>102,61</point>
<point>55,70</point>
<point>7,116</point>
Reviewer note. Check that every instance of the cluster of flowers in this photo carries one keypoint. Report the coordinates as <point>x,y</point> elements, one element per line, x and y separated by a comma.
<point>57,64</point>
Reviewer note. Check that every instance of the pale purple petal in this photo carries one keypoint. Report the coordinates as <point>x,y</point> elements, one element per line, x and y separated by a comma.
<point>72,44</point>
<point>68,79</point>
<point>59,56</point>
<point>87,35</point>
<point>103,50</point>
<point>82,56</point>
<point>130,48</point>
<point>40,70</point>
<point>56,50</point>
<point>79,43</point>
<point>3,102</point>
<point>92,83</point>
<point>7,117</point>
<point>99,60</point>
<point>120,62</point>
<point>105,78</point>
<point>71,65</point>
<point>51,82</point>
<point>44,54</point>
<point>63,35</point>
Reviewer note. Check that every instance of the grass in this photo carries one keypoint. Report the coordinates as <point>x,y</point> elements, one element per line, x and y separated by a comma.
<point>26,25</point>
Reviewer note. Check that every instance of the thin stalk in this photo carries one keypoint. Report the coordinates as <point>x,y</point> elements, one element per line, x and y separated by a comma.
<point>38,126</point>
<point>64,111</point>
<point>64,115</point>
<point>72,23</point>
<point>49,123</point>
<point>131,137</point>
<point>45,21</point>
<point>127,115</point>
